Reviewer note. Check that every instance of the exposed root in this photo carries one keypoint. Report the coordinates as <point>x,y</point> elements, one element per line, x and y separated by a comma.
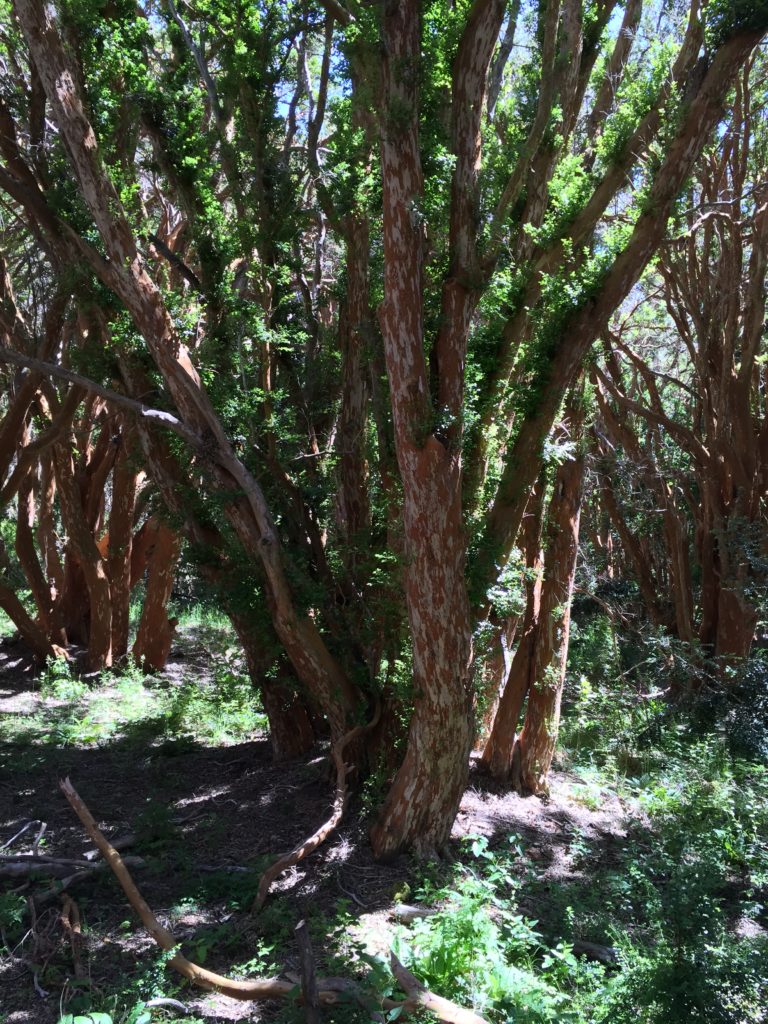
<point>309,845</point>
<point>252,989</point>
<point>328,992</point>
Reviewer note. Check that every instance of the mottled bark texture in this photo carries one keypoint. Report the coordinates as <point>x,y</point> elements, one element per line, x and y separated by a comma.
<point>422,802</point>
<point>499,747</point>
<point>538,737</point>
<point>155,633</point>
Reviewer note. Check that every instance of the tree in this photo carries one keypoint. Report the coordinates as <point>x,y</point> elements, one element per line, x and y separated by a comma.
<point>498,269</point>
<point>699,396</point>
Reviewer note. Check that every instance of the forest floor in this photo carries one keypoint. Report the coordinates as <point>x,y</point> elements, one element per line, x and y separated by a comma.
<point>210,811</point>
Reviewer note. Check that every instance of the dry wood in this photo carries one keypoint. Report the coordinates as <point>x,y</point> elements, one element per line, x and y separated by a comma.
<point>20,833</point>
<point>307,846</point>
<point>419,995</point>
<point>405,913</point>
<point>308,979</point>
<point>70,919</point>
<point>255,988</point>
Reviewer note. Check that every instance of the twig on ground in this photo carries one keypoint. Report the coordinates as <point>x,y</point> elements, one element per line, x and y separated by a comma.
<point>311,843</point>
<point>39,836</point>
<point>20,833</point>
<point>348,892</point>
<point>308,979</point>
<point>38,987</point>
<point>66,883</point>
<point>121,843</point>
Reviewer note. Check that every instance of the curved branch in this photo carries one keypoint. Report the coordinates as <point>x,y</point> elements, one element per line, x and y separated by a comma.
<point>330,991</point>
<point>164,419</point>
<point>419,995</point>
<point>309,845</point>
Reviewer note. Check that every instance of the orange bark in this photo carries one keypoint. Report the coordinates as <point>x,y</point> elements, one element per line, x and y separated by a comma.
<point>155,633</point>
<point>542,717</point>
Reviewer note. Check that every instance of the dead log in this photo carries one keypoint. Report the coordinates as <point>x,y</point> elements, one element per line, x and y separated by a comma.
<point>405,913</point>
<point>607,955</point>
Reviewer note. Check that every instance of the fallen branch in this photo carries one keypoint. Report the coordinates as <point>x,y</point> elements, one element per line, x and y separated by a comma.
<point>20,833</point>
<point>30,864</point>
<point>419,995</point>
<point>329,992</point>
<point>268,988</point>
<point>41,898</point>
<point>309,845</point>
<point>70,919</point>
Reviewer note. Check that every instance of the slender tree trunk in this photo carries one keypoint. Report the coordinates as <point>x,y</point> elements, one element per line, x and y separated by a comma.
<point>30,564</point>
<point>46,528</point>
<point>290,726</point>
<point>155,633</point>
<point>32,635</point>
<point>89,560</point>
<point>498,750</point>
<point>353,511</point>
<point>422,803</point>
<point>120,544</point>
<point>542,718</point>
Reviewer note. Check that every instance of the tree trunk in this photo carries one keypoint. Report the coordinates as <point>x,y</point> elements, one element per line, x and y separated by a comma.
<point>422,803</point>
<point>352,505</point>
<point>30,564</point>
<point>89,560</point>
<point>124,485</point>
<point>155,633</point>
<point>542,718</point>
<point>32,635</point>
<point>290,726</point>
<point>498,750</point>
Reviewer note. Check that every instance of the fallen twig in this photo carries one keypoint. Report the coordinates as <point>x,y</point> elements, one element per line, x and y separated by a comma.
<point>55,891</point>
<point>70,919</point>
<point>20,833</point>
<point>256,988</point>
<point>308,979</point>
<point>164,1001</point>
<point>39,836</point>
<point>310,844</point>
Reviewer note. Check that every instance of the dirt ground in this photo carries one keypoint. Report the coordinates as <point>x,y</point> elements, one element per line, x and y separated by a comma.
<point>211,818</point>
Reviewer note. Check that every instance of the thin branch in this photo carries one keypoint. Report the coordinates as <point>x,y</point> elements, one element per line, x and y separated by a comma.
<point>165,419</point>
